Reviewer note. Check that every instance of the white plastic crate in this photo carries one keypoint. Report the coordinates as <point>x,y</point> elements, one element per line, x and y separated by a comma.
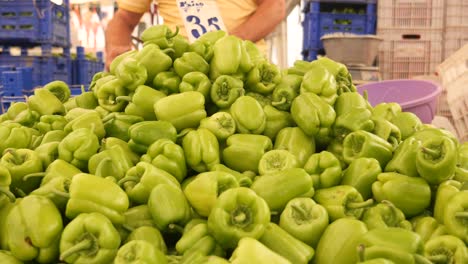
<point>457,95</point>
<point>456,13</point>
<point>412,14</point>
<point>454,39</point>
<point>454,66</point>
<point>407,53</point>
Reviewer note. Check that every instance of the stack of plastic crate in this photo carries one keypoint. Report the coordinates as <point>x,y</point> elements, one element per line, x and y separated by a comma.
<point>413,37</point>
<point>83,69</point>
<point>456,26</point>
<point>34,25</point>
<point>330,16</point>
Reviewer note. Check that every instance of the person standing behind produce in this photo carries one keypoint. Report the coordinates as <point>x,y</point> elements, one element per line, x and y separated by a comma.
<point>247,19</point>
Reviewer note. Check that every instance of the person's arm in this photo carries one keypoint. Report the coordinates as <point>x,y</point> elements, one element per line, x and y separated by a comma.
<point>267,16</point>
<point>118,33</point>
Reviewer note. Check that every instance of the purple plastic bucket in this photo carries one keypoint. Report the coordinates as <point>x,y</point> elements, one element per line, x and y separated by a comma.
<point>416,96</point>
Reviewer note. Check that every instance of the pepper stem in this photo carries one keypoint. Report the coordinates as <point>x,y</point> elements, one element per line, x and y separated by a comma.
<point>426,260</point>
<point>175,33</point>
<point>6,191</point>
<point>100,167</point>
<point>128,228</point>
<point>34,175</point>
<point>108,117</point>
<point>300,211</point>
<point>123,98</point>
<point>441,258</point>
<point>60,193</point>
<point>361,250</point>
<point>357,205</point>
<point>128,179</point>
<point>461,214</point>
<point>176,227</point>
<point>431,152</point>
<point>83,245</point>
<point>16,157</point>
<point>280,102</point>
<point>20,192</point>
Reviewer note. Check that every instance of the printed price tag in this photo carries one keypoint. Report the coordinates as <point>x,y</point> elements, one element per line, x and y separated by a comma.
<point>200,17</point>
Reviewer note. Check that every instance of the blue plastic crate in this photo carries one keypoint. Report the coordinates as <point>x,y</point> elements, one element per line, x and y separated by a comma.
<point>16,81</point>
<point>84,69</point>
<point>322,18</point>
<point>34,21</point>
<point>6,101</point>
<point>78,89</point>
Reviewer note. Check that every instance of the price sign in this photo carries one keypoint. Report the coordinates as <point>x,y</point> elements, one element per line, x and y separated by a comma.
<point>200,17</point>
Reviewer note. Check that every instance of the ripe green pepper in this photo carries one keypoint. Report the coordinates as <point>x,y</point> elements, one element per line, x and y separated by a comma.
<point>286,245</point>
<point>455,215</point>
<point>244,151</point>
<point>107,90</point>
<point>167,82</point>
<point>45,102</point>
<point>238,212</point>
<point>14,135</point>
<point>263,78</point>
<point>225,90</point>
<point>250,250</point>
<point>386,110</point>
<point>248,115</point>
<point>294,140</point>
<point>141,103</point>
<point>387,131</point>
<point>149,234</point>
<point>436,160</point>
<point>114,64</point>
<point>53,136</point>
<point>161,35</point>
<point>427,227</point>
<point>325,170</point>
<point>283,95</point>
<point>407,123</point>
<point>139,251</point>
<point>320,81</point>
<point>5,208</point>
<point>275,121</point>
<point>89,193</point>
<point>203,48</point>
<point>36,226</point>
<point>136,217</point>
<point>227,53</point>
<point>51,122</point>
<point>112,162</point>
<point>342,201</point>
<point>445,191</point>
<point>142,178</point>
<point>168,207</point>
<point>190,237</point>
<point>143,134</point>
<point>353,120</point>
<point>338,243</point>
<point>340,71</point>
<point>359,144</point>
<point>5,181</point>
<point>47,152</point>
<point>446,249</point>
<point>291,183</point>
<point>132,73</point>
<point>89,238</point>
<point>461,172</point>
<point>109,142</point>
<point>154,59</point>
<point>8,258</point>
<point>221,124</point>
<point>190,62</point>
<point>263,99</point>
<point>19,112</point>
<point>20,163</point>
<point>90,120</point>
<point>205,246</point>
<point>361,174</point>
<point>277,160</point>
<point>203,191</point>
<point>184,110</point>
<point>201,149</point>
<point>412,195</point>
<point>404,156</point>
<point>385,214</point>
<point>85,100</point>
<point>118,124</point>
<point>60,89</point>
<point>244,179</point>
<point>304,219</point>
<point>346,101</point>
<point>196,81</point>
<point>78,146</point>
<point>168,156</point>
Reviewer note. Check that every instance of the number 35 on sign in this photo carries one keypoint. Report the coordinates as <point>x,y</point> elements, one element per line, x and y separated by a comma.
<point>200,17</point>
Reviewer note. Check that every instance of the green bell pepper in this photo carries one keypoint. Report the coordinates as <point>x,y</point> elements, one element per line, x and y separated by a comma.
<point>221,124</point>
<point>8,258</point>
<point>436,160</point>
<point>446,249</point>
<point>190,237</point>
<point>427,227</point>
<point>89,193</point>
<point>386,110</point>
<point>238,213</point>
<point>291,183</point>
<point>36,225</point>
<point>408,123</point>
<point>184,110</point>
<point>263,78</point>
<point>47,152</point>
<point>336,147</point>
<point>363,144</point>
<point>196,81</point>
<point>190,62</point>
<point>283,95</point>
<point>341,73</point>
<point>114,64</point>
<point>225,90</point>
<point>361,174</point>
<point>347,101</point>
<point>112,162</point>
<point>118,124</point>
<point>412,195</point>
<point>385,214</point>
<point>168,156</point>
<point>244,179</point>
<point>136,217</point>
<point>141,103</point>
<point>142,178</point>
<point>89,238</point>
<point>107,90</point>
<point>149,234</point>
<point>167,82</point>
<point>305,220</point>
<point>5,181</point>
<point>53,136</point>
<point>19,112</point>
<point>461,172</point>
<point>313,115</point>
<point>51,122</point>
<point>202,48</point>
<point>143,134</point>
<point>90,120</point>
<point>78,146</point>
<point>256,56</point>
<point>109,142</point>
<point>168,207</point>
<point>275,121</point>
<point>338,243</point>
<point>248,115</point>
<point>201,149</point>
<point>404,156</point>
<point>263,99</point>
<point>353,120</point>
<point>154,60</point>
<point>294,140</point>
<point>387,131</point>
<point>180,45</point>
<point>13,135</point>
<point>160,35</point>
<point>132,73</point>
<point>325,170</point>
<point>86,100</point>
<point>203,191</point>
<point>227,53</point>
<point>5,208</point>
<point>342,201</point>
<point>205,246</point>
<point>277,160</point>
<point>427,133</point>
<point>20,163</point>
<point>45,102</point>
<point>60,89</point>
<point>250,250</point>
<point>320,81</point>
<point>244,151</point>
<point>445,191</point>
<point>455,215</point>
<point>139,251</point>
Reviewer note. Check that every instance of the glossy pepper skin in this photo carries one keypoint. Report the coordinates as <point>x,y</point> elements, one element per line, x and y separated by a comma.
<point>78,146</point>
<point>346,101</point>
<point>8,258</point>
<point>141,103</point>
<point>353,120</point>
<point>387,131</point>
<point>385,214</point>
<point>113,162</point>
<point>341,73</point>
<point>404,156</point>
<point>47,152</point>
<point>107,90</point>
<point>244,151</point>
<point>190,62</point>
<point>227,55</point>
<point>238,213</point>
<point>37,226</point>
<point>304,219</point>
<point>221,124</point>
<point>51,122</point>
<point>427,227</point>
<point>291,183</point>
<point>5,181</point>
<point>201,149</point>
<point>294,140</point>
<point>277,160</point>
<point>184,110</point>
<point>225,90</point>
<point>89,193</point>
<point>445,191</point>
<point>168,156</point>
<point>136,217</point>
<point>20,163</point>
<point>19,112</point>
<point>90,120</point>
<point>244,179</point>
<point>13,135</point>
<point>118,124</point>
<point>275,121</point>
<point>455,215</point>
<point>154,60</point>
<point>461,172</point>
<point>448,249</point>
<point>45,102</point>
<point>361,144</point>
<point>143,134</point>
<point>109,142</point>
<point>168,207</point>
<point>361,174</point>
<point>139,251</point>
<point>248,115</point>
<point>339,242</point>
<point>161,35</point>
<point>250,250</point>
<point>167,82</point>
<point>89,238</point>
<point>320,81</point>
<point>325,170</point>
<point>132,73</point>
<point>191,236</point>
<point>410,194</point>
<point>263,78</point>
<point>196,81</point>
<point>60,89</point>
<point>150,234</point>
<point>283,95</point>
<point>342,201</point>
<point>408,123</point>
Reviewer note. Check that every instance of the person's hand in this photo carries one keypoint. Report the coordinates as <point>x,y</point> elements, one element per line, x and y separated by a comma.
<point>114,51</point>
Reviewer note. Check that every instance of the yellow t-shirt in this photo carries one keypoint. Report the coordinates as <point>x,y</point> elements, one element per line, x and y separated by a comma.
<point>234,13</point>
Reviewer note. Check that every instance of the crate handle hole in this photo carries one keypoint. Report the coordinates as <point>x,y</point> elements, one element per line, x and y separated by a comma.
<point>8,14</point>
<point>411,36</point>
